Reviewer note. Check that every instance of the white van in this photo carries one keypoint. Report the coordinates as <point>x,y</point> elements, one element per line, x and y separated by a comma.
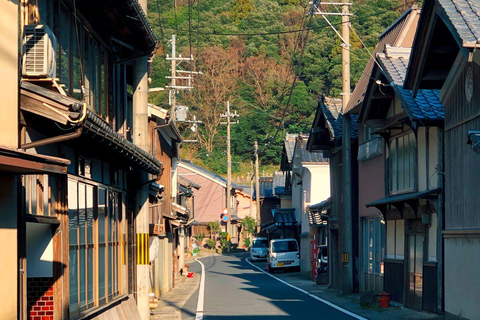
<point>258,250</point>
<point>283,253</point>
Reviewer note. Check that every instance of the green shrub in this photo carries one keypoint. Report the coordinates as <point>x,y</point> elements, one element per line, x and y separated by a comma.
<point>223,239</point>
<point>210,243</point>
<point>247,242</point>
<point>199,237</point>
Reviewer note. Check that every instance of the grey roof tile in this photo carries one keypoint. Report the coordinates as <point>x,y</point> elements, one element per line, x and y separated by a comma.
<point>464,16</point>
<point>331,110</point>
<point>308,156</point>
<point>426,105</point>
<point>391,35</point>
<point>290,145</point>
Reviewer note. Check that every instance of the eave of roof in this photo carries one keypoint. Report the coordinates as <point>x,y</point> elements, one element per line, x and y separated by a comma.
<point>21,162</point>
<point>96,127</point>
<point>426,106</point>
<point>394,35</point>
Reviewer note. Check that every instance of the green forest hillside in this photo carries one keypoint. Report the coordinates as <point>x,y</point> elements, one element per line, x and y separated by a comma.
<point>270,58</point>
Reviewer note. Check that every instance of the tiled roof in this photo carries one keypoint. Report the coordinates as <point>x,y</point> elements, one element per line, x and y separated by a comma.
<point>426,105</point>
<point>464,16</point>
<point>284,216</point>
<point>278,179</point>
<point>315,219</point>
<point>394,35</point>
<point>321,205</point>
<point>331,110</point>
<point>289,145</point>
<point>209,173</point>
<point>306,155</point>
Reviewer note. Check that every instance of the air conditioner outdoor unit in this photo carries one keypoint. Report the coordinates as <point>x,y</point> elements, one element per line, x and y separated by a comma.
<point>39,44</point>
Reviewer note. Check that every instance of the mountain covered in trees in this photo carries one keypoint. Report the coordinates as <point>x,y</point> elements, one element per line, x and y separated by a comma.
<point>271,59</point>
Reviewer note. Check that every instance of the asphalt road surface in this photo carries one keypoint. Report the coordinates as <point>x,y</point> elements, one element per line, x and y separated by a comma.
<point>236,290</point>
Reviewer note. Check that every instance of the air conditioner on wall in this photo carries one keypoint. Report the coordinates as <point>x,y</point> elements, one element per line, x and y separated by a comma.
<point>39,44</point>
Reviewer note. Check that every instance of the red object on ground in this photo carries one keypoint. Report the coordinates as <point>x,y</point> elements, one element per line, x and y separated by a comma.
<point>190,275</point>
<point>384,300</point>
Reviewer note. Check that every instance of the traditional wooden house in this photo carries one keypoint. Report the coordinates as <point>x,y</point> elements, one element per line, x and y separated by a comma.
<point>164,141</point>
<point>310,184</point>
<point>371,162</point>
<point>83,97</point>
<point>445,58</point>
<point>13,164</point>
<point>411,128</point>
<point>211,199</point>
<point>326,136</point>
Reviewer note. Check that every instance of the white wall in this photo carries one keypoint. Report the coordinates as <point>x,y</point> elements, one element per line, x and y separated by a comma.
<point>462,277</point>
<point>39,250</point>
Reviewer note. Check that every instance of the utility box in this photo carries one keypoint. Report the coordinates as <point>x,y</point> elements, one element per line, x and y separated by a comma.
<point>181,113</point>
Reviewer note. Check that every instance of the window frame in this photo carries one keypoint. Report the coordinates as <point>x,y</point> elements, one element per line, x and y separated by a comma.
<point>393,176</point>
<point>113,276</point>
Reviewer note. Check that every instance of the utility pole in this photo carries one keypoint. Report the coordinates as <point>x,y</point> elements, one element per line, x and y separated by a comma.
<point>257,183</point>
<point>345,217</point>
<point>251,189</point>
<point>347,230</point>
<point>174,86</point>
<point>229,115</point>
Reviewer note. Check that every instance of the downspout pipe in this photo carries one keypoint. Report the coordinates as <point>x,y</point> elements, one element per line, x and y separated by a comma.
<point>43,142</point>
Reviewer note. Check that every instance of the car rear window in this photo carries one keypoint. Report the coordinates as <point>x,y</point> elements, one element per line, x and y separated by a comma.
<point>284,246</point>
<point>259,243</point>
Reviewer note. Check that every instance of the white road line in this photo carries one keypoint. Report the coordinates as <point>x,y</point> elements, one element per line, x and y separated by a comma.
<point>309,294</point>
<point>201,294</point>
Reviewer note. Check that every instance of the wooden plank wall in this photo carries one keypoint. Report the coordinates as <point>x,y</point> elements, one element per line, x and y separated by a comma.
<point>462,172</point>
<point>394,280</point>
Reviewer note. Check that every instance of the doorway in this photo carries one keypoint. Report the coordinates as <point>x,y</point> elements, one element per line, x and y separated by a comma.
<point>414,270</point>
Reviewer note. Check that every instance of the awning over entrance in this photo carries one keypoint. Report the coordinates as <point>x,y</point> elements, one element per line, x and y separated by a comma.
<point>21,162</point>
<point>398,201</point>
<point>403,197</point>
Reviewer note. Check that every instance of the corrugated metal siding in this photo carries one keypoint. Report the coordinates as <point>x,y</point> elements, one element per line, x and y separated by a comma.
<point>462,172</point>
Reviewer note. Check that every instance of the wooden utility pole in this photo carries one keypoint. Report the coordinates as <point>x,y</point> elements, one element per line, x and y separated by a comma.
<point>251,189</point>
<point>257,183</point>
<point>345,217</point>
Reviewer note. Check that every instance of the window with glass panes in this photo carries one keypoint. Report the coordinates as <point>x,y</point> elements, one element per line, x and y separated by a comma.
<point>402,163</point>
<point>395,241</point>
<point>96,218</point>
<point>81,58</point>
<point>374,244</point>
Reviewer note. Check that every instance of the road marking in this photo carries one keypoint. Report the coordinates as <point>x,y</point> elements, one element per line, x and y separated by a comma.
<point>356,316</point>
<point>201,294</point>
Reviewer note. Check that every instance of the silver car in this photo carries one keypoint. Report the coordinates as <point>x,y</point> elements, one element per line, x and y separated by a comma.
<point>258,250</point>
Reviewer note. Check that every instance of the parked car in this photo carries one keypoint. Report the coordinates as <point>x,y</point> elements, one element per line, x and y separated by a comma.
<point>283,253</point>
<point>322,265</point>
<point>258,249</point>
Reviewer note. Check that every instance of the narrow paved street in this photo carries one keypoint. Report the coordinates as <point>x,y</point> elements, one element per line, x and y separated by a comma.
<point>234,289</point>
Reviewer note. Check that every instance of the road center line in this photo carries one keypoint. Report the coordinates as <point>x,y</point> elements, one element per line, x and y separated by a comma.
<point>309,294</point>
<point>201,294</point>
